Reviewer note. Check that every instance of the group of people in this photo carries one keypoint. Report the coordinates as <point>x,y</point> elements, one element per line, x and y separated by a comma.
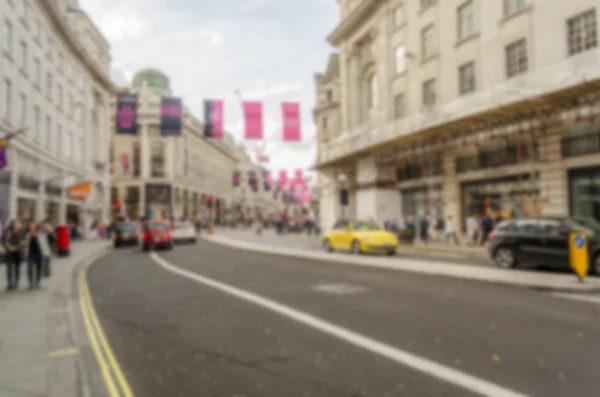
<point>32,245</point>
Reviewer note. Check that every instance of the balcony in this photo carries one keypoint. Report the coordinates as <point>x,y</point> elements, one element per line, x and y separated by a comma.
<point>553,83</point>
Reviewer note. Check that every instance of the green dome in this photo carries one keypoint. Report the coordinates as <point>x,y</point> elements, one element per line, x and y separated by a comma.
<point>154,77</point>
<point>228,139</point>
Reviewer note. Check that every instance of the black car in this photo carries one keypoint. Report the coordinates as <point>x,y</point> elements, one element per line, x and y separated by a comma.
<point>125,234</point>
<point>542,241</point>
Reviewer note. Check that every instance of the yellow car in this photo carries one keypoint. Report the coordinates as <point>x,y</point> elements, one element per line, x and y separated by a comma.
<point>360,237</point>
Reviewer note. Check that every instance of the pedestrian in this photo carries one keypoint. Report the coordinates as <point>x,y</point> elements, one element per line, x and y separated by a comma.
<point>47,239</point>
<point>37,248</point>
<point>450,231</point>
<point>13,245</point>
<point>424,230</point>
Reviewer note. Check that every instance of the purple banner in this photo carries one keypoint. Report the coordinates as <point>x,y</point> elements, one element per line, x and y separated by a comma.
<point>3,147</point>
<point>170,116</point>
<point>236,179</point>
<point>126,116</point>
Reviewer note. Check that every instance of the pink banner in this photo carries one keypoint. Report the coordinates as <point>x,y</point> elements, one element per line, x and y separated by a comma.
<point>305,197</point>
<point>283,179</point>
<point>218,119</point>
<point>291,121</point>
<point>269,178</point>
<point>299,176</point>
<point>253,118</point>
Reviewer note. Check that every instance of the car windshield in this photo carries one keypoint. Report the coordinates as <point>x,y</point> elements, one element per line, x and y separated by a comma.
<point>126,227</point>
<point>156,226</point>
<point>366,226</point>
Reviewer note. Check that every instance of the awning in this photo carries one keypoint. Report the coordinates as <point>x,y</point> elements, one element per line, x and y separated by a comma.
<point>80,191</point>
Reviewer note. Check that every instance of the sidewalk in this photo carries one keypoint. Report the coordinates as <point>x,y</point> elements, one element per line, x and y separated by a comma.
<point>516,278</point>
<point>37,354</point>
<point>303,241</point>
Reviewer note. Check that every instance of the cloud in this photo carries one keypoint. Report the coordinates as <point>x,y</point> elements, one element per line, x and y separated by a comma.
<point>251,5</point>
<point>275,90</point>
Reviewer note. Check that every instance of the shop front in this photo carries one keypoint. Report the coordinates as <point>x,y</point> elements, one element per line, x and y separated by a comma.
<point>584,193</point>
<point>505,197</point>
<point>422,201</point>
<point>158,201</point>
<point>52,212</point>
<point>26,210</point>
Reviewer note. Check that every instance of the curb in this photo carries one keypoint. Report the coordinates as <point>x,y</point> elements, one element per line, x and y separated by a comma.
<point>83,385</point>
<point>443,250</point>
<point>355,261</point>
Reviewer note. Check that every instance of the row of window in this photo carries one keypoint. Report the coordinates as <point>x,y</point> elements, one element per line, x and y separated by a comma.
<point>58,142</point>
<point>582,35</point>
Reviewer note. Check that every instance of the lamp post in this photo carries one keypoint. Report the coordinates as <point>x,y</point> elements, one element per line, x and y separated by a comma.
<point>343,194</point>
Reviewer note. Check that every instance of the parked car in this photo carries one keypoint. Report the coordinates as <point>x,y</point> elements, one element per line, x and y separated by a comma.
<point>360,237</point>
<point>156,235</point>
<point>125,234</point>
<point>541,241</point>
<point>184,232</point>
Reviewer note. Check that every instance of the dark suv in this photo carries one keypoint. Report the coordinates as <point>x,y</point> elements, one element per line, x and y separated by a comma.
<point>542,241</point>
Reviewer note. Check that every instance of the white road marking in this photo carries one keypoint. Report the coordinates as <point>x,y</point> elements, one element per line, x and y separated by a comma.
<point>428,367</point>
<point>339,289</point>
<point>580,297</point>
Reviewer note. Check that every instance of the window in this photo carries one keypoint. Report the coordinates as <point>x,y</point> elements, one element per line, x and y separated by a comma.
<point>36,72</point>
<point>6,102</point>
<point>154,130</point>
<point>342,225</point>
<point>23,56</point>
<point>526,226</point>
<point>71,106</point>
<point>466,78</point>
<point>48,138</point>
<point>7,35</point>
<point>400,59</point>
<point>373,92</point>
<point>582,32</point>
<point>49,86</point>
<point>79,150</point>
<point>37,30</point>
<point>58,145</point>
<point>429,94</point>
<point>324,122</point>
<point>37,124</point>
<point>22,8</point>
<point>466,20</point>
<point>399,15</point>
<point>399,106</point>
<point>50,48</point>
<point>512,6</point>
<point>23,111</point>
<point>516,58</point>
<point>329,95</point>
<point>425,4</point>
<point>60,63</point>
<point>67,145</point>
<point>428,45</point>
<point>136,159</point>
<point>157,160</point>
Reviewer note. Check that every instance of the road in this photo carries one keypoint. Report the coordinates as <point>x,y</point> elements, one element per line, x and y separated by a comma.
<point>367,332</point>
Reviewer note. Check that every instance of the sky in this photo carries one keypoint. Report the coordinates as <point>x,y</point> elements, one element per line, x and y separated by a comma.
<point>269,50</point>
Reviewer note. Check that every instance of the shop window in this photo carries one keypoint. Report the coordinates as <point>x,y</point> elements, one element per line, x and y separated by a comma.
<point>136,159</point>
<point>132,195</point>
<point>114,195</point>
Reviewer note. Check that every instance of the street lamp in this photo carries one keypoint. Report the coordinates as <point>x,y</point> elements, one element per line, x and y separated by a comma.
<point>343,193</point>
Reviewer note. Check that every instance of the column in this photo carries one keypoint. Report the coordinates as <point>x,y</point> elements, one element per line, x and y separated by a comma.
<point>553,181</point>
<point>144,156</point>
<point>40,207</point>
<point>451,192</point>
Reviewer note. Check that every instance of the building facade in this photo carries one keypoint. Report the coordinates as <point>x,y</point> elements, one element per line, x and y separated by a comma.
<point>55,86</point>
<point>181,176</point>
<point>464,107</point>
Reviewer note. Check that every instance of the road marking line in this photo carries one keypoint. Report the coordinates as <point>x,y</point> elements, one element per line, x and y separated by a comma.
<point>450,375</point>
<point>64,352</point>
<point>85,311</point>
<point>114,364</point>
<point>580,298</point>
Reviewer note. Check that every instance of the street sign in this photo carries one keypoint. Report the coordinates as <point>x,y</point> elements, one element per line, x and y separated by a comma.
<point>578,254</point>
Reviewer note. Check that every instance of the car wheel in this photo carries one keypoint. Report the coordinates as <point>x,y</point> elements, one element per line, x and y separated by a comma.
<point>116,245</point>
<point>194,241</point>
<point>170,246</point>
<point>391,253</point>
<point>356,248</point>
<point>505,258</point>
<point>327,245</point>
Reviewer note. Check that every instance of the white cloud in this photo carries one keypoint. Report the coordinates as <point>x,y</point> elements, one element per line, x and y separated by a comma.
<point>251,5</point>
<point>275,90</point>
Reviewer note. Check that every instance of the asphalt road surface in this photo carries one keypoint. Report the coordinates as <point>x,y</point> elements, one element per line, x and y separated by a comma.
<point>213,321</point>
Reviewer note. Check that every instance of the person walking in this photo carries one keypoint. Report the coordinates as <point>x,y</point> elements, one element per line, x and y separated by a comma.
<point>37,249</point>
<point>13,242</point>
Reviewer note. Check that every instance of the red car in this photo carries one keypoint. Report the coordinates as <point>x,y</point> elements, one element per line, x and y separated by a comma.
<point>156,235</point>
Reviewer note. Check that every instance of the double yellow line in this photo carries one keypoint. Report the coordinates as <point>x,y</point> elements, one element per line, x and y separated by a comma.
<point>115,381</point>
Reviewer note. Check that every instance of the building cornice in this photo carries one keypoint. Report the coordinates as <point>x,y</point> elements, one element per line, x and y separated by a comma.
<point>72,41</point>
<point>351,21</point>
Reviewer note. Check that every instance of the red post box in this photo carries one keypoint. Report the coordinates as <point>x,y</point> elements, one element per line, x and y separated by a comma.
<point>63,240</point>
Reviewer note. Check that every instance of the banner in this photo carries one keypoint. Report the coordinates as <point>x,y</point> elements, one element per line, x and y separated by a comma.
<point>253,119</point>
<point>126,116</point>
<point>299,176</point>
<point>291,121</point>
<point>4,147</point>
<point>80,191</point>
<point>170,116</point>
<point>236,179</point>
<point>283,179</point>
<point>125,163</point>
<point>213,118</point>
<point>253,181</point>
